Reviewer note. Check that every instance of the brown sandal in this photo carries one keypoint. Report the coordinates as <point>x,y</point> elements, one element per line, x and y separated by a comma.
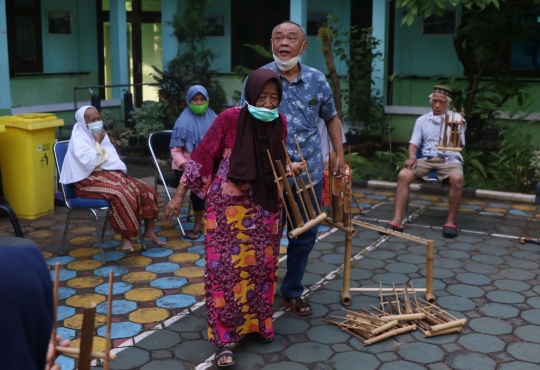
<point>296,304</point>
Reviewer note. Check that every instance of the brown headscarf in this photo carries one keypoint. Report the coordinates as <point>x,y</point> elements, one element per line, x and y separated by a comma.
<point>249,159</point>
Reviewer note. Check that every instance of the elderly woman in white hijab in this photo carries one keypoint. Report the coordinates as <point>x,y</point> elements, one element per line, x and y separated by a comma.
<point>94,167</point>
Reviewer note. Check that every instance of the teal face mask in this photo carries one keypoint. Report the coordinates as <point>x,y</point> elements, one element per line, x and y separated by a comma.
<point>198,109</point>
<point>263,114</point>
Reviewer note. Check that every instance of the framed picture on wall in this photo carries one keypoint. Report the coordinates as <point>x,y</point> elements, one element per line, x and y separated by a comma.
<point>59,23</point>
<point>314,22</point>
<point>216,25</point>
<point>440,25</point>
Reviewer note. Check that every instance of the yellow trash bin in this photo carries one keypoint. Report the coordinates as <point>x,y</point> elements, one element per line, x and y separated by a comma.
<point>27,162</point>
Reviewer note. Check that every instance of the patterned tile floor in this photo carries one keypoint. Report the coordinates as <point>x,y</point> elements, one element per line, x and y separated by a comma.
<point>153,288</point>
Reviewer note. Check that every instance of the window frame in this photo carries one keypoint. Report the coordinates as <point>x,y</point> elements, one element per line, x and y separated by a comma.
<point>12,11</point>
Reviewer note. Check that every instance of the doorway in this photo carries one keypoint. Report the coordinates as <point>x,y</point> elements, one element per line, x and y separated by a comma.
<point>144,47</point>
<point>252,23</point>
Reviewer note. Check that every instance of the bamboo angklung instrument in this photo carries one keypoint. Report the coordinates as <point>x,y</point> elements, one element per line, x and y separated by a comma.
<point>310,210</point>
<point>342,201</point>
<point>85,352</point>
<point>451,129</point>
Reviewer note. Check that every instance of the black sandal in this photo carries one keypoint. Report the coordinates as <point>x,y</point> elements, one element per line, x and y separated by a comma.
<point>259,338</point>
<point>225,351</point>
<point>296,304</point>
<point>196,235</point>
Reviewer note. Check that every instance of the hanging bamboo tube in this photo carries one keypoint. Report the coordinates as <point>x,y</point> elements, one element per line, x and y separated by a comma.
<point>407,305</point>
<point>404,317</point>
<point>334,190</point>
<point>87,337</point>
<point>429,334</point>
<point>309,205</point>
<point>346,288</point>
<point>389,334</point>
<point>383,328</point>
<point>290,197</point>
<point>430,297</point>
<point>448,325</point>
<point>278,181</point>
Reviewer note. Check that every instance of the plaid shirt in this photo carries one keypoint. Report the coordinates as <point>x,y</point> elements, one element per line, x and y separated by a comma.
<point>304,100</point>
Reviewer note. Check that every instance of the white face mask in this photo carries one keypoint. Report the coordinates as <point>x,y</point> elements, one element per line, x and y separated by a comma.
<point>95,127</point>
<point>285,65</point>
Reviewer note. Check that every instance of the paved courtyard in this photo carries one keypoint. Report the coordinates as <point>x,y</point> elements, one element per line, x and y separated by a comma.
<point>484,275</point>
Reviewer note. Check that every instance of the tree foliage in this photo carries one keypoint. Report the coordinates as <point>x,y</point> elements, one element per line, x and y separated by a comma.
<point>482,42</point>
<point>413,8</point>
<point>192,65</point>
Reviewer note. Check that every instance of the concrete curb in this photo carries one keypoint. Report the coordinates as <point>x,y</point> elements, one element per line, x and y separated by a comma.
<point>416,187</point>
<point>435,189</point>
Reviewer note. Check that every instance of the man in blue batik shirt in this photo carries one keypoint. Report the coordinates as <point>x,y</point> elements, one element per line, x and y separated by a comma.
<point>306,97</point>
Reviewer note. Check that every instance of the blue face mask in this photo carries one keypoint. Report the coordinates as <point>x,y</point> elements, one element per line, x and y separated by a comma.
<point>263,114</point>
<point>95,127</point>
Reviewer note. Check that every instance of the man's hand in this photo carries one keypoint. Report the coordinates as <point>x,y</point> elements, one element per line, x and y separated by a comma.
<point>99,136</point>
<point>410,164</point>
<point>339,167</point>
<point>296,167</point>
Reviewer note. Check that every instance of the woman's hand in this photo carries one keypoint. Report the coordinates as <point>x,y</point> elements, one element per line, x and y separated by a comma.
<point>99,136</point>
<point>173,208</point>
<point>295,168</point>
<point>52,355</point>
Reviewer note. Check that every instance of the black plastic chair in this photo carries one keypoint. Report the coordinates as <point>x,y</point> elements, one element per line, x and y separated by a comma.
<point>159,143</point>
<point>4,205</point>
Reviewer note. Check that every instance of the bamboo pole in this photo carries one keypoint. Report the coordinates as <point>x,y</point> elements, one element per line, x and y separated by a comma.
<point>75,352</point>
<point>87,337</point>
<point>345,290</point>
<point>430,297</point>
<point>299,222</point>
<point>407,305</point>
<point>429,334</point>
<point>279,180</point>
<point>405,317</point>
<point>308,225</point>
<point>389,334</point>
<point>383,328</point>
<point>109,317</point>
<point>383,289</point>
<point>309,205</point>
<point>448,325</point>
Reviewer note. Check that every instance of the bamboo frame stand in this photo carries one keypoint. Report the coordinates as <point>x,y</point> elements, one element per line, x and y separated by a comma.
<point>312,212</point>
<point>342,220</point>
<point>451,131</point>
<point>85,352</point>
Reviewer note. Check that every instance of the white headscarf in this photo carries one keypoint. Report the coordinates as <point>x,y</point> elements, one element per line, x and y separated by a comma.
<point>81,157</point>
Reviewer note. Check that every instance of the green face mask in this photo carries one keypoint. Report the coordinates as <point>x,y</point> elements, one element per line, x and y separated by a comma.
<point>198,109</point>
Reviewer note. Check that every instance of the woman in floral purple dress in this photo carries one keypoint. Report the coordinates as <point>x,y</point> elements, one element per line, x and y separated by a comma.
<point>231,169</point>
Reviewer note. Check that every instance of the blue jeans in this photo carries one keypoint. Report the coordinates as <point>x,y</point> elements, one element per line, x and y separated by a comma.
<point>298,251</point>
